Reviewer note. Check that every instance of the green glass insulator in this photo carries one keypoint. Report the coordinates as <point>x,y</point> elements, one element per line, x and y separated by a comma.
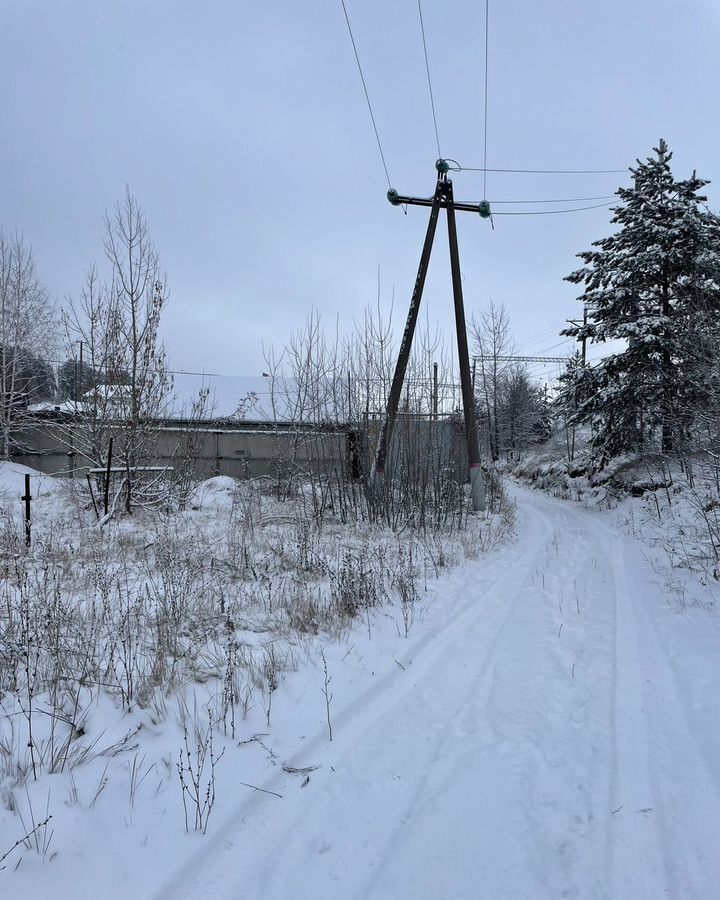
<point>393,197</point>
<point>443,166</point>
<point>484,209</point>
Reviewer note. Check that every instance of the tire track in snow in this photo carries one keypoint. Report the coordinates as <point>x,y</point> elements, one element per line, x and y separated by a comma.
<point>486,770</point>
<point>664,796</point>
<point>661,773</point>
<point>211,871</point>
<point>381,841</point>
<point>552,704</point>
<point>637,844</point>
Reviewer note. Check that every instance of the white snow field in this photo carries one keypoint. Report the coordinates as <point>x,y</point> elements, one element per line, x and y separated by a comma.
<point>549,729</point>
<point>540,741</point>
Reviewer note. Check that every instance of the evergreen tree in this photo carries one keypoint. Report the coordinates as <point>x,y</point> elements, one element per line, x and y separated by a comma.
<point>655,285</point>
<point>74,380</point>
<point>522,412</point>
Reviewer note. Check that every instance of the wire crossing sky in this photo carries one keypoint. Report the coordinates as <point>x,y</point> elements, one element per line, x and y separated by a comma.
<point>248,142</point>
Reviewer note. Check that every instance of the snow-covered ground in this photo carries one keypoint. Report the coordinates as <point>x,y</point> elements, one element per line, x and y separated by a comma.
<point>550,727</point>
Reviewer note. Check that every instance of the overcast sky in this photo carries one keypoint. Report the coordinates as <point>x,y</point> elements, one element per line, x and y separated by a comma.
<point>242,130</point>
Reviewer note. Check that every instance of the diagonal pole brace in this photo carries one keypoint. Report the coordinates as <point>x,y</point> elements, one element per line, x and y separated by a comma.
<point>407,338</point>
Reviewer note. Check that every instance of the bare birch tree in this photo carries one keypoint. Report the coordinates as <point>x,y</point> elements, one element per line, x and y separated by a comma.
<point>118,321</point>
<point>492,341</point>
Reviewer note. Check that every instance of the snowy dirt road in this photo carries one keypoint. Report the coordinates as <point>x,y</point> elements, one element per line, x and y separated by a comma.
<point>536,746</point>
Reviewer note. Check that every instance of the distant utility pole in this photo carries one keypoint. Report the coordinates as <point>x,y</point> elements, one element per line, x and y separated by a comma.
<point>583,339</point>
<point>442,199</point>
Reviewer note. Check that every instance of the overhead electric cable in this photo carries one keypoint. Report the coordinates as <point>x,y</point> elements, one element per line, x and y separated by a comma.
<point>367,96</point>
<point>427,69</point>
<point>562,343</point>
<point>542,171</point>
<point>559,200</point>
<point>532,340</point>
<point>549,212</point>
<point>485,171</point>
<point>89,367</point>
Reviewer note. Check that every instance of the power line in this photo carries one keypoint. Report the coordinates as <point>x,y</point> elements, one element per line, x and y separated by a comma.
<point>542,171</point>
<point>558,200</point>
<point>89,367</point>
<point>533,338</point>
<point>367,96</point>
<point>427,69</point>
<point>550,212</point>
<point>561,343</point>
<point>531,349</point>
<point>208,374</point>
<point>485,171</point>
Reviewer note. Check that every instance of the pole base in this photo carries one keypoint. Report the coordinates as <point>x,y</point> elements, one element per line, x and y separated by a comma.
<point>477,489</point>
<point>377,482</point>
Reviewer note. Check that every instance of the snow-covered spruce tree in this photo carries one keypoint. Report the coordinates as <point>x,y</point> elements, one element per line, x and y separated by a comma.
<point>654,284</point>
<point>577,387</point>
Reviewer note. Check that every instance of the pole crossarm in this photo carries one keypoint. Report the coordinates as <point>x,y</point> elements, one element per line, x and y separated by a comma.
<point>399,200</point>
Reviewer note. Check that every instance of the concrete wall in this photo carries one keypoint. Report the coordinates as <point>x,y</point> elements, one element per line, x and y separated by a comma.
<point>236,451</point>
<point>252,450</point>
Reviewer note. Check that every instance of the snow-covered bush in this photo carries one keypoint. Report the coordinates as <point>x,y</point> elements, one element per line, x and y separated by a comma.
<point>106,633</point>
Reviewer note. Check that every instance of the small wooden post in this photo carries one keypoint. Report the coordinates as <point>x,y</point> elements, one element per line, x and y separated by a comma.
<point>106,495</point>
<point>26,498</point>
<point>92,494</point>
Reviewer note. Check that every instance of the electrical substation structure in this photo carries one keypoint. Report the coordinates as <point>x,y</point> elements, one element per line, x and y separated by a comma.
<point>442,199</point>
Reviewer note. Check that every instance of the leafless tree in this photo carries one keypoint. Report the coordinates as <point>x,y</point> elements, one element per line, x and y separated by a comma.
<point>118,321</point>
<point>328,399</point>
<point>522,413</point>
<point>492,341</point>
<point>28,321</point>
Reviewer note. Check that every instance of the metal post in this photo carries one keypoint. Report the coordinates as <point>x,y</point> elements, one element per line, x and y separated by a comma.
<point>477,489</point>
<point>27,498</point>
<point>404,354</point>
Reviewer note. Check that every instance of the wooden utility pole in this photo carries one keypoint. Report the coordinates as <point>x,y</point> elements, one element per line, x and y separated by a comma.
<point>583,339</point>
<point>442,199</point>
